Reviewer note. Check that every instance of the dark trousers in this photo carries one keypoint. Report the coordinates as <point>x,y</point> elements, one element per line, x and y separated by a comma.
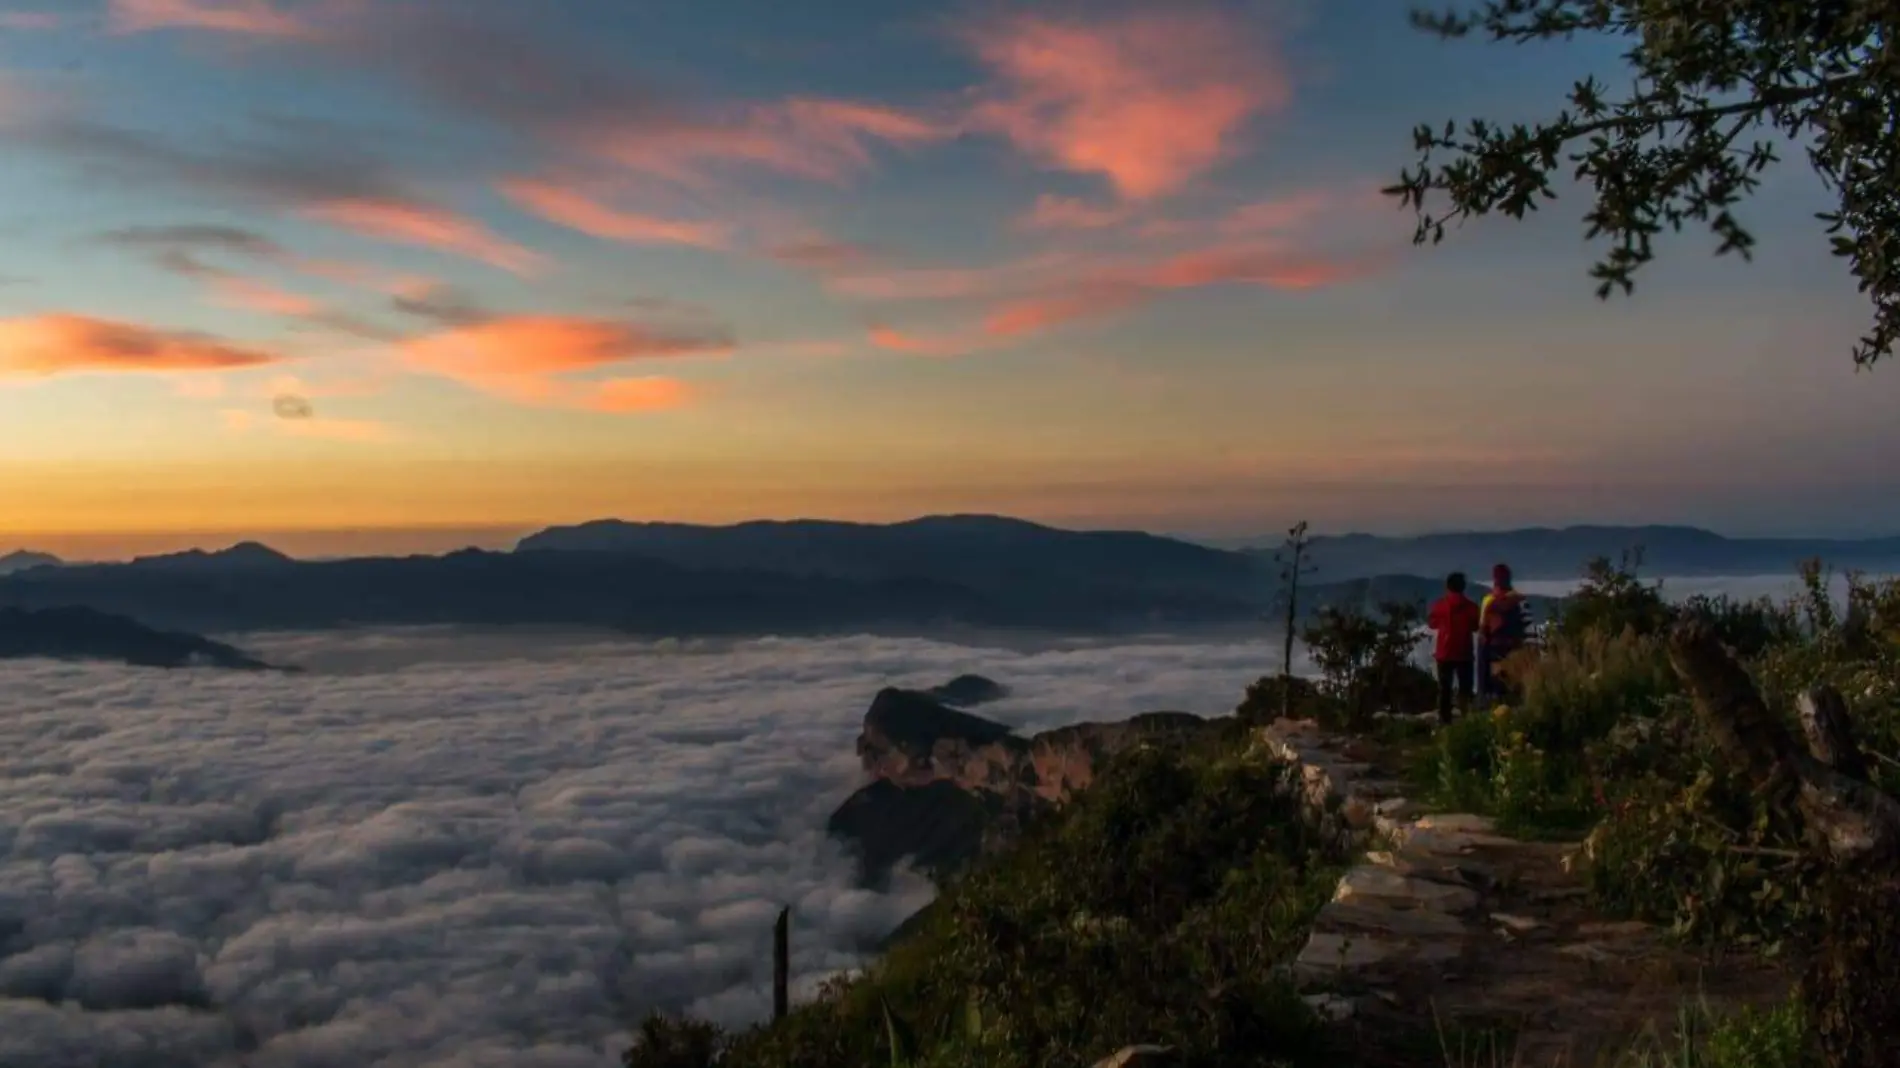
<point>1489,657</point>
<point>1450,671</point>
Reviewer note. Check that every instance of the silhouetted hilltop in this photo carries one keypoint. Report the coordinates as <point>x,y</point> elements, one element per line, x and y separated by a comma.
<point>85,634</point>
<point>213,592</point>
<point>243,555</point>
<point>1548,553</point>
<point>818,576</point>
<point>983,552</point>
<point>26,559</point>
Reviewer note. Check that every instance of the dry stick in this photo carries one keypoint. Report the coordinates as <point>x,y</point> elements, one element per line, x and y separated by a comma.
<point>781,965</point>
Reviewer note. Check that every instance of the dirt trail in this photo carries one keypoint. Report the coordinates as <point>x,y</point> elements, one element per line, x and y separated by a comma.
<point>1447,930</point>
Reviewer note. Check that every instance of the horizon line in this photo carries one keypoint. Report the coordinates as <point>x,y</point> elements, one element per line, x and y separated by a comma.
<point>215,539</point>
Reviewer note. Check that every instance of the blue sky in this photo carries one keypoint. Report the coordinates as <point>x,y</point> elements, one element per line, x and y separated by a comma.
<point>1088,263</point>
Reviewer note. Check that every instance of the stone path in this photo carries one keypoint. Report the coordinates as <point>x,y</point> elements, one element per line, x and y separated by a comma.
<point>1447,926</point>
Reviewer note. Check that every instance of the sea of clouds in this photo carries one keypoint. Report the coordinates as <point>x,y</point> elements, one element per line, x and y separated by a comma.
<point>437,848</point>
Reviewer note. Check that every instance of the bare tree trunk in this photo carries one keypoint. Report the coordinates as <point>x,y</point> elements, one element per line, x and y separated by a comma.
<point>781,965</point>
<point>1851,988</point>
<point>1858,824</point>
<point>1286,660</point>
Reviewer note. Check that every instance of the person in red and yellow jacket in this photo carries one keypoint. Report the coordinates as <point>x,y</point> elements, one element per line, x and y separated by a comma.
<point>1455,619</point>
<point>1503,626</point>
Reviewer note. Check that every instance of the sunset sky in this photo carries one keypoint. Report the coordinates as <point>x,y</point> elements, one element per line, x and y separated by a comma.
<point>435,271</point>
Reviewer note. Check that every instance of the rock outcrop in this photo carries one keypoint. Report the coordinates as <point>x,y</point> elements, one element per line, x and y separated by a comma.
<point>947,785</point>
<point>968,691</point>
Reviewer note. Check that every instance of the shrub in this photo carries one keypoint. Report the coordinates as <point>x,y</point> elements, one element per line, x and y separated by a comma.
<point>1749,627</point>
<point>667,1042</point>
<point>1267,699</point>
<point>1154,908</point>
<point>1365,661</point>
<point>1611,600</point>
<point>1580,685</point>
<point>1777,1037</point>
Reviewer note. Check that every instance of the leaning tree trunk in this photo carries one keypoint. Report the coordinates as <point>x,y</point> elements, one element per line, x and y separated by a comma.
<point>1852,986</point>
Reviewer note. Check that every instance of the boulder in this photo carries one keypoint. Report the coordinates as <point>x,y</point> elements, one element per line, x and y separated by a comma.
<point>947,785</point>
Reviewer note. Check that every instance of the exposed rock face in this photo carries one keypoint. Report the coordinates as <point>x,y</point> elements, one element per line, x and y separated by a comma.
<point>947,785</point>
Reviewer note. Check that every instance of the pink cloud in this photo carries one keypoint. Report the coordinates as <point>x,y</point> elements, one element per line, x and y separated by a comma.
<point>1281,213</point>
<point>1087,300</point>
<point>243,18</point>
<point>812,138</point>
<point>954,283</point>
<point>29,21</point>
<point>1068,213</point>
<point>1268,267</point>
<point>893,340</point>
<point>62,344</point>
<point>426,225</point>
<point>522,358</point>
<point>263,297</point>
<point>1148,100</point>
<point>576,211</point>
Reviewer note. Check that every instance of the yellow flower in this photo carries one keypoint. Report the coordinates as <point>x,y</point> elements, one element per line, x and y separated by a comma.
<point>1500,712</point>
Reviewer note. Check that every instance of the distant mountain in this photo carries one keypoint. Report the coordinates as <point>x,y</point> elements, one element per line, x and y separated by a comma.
<point>85,634</point>
<point>24,559</point>
<point>987,553</point>
<point>212,592</point>
<point>1546,553</point>
<point>243,555</point>
<point>821,577</point>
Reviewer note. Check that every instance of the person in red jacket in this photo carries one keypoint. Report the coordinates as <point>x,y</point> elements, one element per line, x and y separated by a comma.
<point>1455,619</point>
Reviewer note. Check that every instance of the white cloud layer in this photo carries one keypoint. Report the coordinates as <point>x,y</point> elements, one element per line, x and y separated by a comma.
<point>436,849</point>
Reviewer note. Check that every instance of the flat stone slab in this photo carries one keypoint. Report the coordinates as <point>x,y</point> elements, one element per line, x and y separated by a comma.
<point>1376,885</point>
<point>1347,916</point>
<point>1330,956</point>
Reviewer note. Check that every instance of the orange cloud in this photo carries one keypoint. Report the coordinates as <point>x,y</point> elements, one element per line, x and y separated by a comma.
<point>425,225</point>
<point>520,359</point>
<point>814,138</point>
<point>578,212</point>
<point>623,395</point>
<point>1148,100</point>
<point>1067,213</point>
<point>244,18</point>
<point>62,344</point>
<point>893,340</point>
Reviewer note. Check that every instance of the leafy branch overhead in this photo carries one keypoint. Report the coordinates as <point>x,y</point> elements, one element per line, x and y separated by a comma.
<point>1717,84</point>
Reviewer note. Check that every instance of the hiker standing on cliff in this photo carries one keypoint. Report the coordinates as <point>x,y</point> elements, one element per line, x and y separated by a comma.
<point>1503,626</point>
<point>1455,618</point>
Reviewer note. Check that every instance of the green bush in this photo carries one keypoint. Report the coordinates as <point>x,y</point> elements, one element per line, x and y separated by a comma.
<point>1777,1037</point>
<point>1530,765</point>
<point>1365,663</point>
<point>1612,600</point>
<point>1580,686</point>
<point>1154,908</point>
<point>1275,695</point>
